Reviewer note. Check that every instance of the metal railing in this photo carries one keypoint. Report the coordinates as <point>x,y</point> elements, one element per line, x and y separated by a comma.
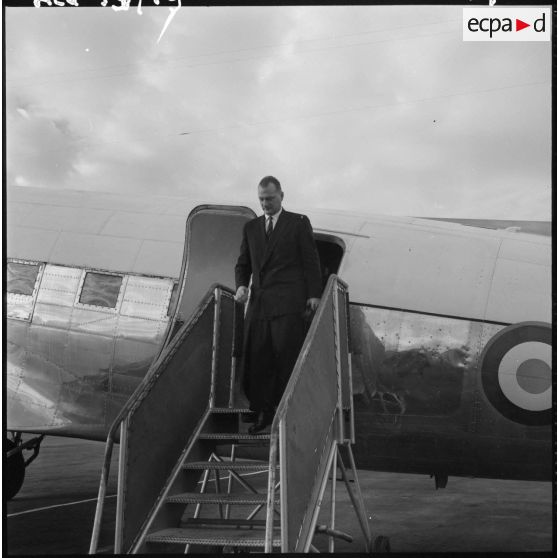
<point>188,377</point>
<point>310,422</point>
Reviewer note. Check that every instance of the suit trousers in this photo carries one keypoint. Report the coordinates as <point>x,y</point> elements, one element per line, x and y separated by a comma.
<point>272,348</point>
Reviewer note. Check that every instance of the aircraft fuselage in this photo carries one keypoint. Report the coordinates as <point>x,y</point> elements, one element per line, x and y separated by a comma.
<point>449,328</point>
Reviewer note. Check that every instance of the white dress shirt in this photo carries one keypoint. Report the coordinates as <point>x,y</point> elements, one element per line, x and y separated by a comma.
<point>274,218</point>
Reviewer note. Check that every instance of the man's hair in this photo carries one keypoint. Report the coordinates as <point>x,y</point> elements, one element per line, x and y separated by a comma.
<point>267,179</point>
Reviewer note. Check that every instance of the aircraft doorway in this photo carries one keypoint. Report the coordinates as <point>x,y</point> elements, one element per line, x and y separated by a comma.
<point>331,251</point>
<point>211,247</point>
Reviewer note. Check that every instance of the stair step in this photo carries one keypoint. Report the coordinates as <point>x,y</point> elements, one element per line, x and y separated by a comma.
<point>230,436</point>
<point>229,410</point>
<point>218,498</point>
<point>214,536</point>
<point>221,522</point>
<point>228,465</point>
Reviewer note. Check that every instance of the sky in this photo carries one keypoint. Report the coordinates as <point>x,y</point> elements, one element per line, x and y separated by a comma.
<point>380,109</point>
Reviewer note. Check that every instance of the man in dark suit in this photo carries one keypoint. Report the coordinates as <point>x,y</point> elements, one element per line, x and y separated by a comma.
<point>279,253</point>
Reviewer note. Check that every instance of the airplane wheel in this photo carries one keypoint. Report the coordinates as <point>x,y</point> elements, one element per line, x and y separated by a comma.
<point>15,472</point>
<point>381,545</point>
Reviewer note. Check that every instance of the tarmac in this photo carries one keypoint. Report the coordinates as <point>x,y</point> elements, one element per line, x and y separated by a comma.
<point>53,513</point>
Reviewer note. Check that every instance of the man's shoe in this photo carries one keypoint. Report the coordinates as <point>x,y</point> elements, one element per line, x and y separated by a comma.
<point>251,416</point>
<point>264,419</point>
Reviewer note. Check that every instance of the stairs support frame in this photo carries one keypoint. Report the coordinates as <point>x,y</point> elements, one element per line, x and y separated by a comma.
<point>330,328</point>
<point>157,373</point>
<point>320,384</point>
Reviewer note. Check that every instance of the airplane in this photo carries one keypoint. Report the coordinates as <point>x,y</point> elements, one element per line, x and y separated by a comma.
<point>450,324</point>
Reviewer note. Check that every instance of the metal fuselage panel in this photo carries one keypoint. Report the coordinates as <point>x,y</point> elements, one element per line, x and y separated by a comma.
<point>420,406</point>
<point>72,366</point>
<point>457,272</point>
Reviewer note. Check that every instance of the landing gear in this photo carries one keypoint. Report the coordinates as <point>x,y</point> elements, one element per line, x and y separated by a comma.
<point>381,545</point>
<point>15,464</point>
<point>15,470</point>
<point>440,480</point>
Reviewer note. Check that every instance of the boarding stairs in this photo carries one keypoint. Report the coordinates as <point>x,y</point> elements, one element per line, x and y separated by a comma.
<point>192,479</point>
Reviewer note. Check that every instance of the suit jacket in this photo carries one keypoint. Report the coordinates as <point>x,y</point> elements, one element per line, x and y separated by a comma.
<point>285,269</point>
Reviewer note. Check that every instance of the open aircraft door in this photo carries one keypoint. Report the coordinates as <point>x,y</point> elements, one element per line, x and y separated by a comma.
<point>211,248</point>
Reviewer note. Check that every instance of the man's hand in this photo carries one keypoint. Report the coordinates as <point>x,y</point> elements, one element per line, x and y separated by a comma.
<point>312,304</point>
<point>241,295</point>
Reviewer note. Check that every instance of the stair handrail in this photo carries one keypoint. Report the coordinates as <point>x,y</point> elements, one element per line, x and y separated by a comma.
<point>328,307</point>
<point>142,389</point>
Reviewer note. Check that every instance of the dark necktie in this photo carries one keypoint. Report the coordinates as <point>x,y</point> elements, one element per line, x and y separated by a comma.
<point>269,228</point>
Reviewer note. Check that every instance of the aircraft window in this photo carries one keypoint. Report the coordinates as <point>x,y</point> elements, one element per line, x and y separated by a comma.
<point>101,289</point>
<point>22,278</point>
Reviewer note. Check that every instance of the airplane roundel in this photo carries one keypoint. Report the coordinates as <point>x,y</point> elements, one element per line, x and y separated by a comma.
<point>516,370</point>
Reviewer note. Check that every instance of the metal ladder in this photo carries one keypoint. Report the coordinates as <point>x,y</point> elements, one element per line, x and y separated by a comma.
<point>204,508</point>
<point>215,513</point>
<point>269,504</point>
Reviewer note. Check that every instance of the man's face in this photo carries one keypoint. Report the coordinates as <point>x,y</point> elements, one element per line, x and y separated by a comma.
<point>270,198</point>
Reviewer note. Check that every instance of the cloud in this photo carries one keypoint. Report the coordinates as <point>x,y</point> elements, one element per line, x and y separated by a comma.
<point>23,113</point>
<point>41,147</point>
<point>377,108</point>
